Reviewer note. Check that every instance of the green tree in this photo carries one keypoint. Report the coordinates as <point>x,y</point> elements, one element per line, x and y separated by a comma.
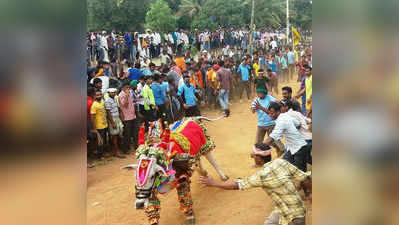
<point>223,13</point>
<point>302,14</point>
<point>123,15</point>
<point>160,17</point>
<point>190,7</point>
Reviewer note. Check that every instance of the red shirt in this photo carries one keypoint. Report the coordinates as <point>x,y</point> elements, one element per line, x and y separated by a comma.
<point>90,101</point>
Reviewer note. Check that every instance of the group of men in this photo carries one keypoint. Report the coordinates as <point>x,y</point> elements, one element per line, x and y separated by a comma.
<point>139,92</point>
<point>134,46</point>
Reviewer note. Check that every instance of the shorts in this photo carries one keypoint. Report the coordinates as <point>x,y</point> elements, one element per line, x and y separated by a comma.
<point>119,127</point>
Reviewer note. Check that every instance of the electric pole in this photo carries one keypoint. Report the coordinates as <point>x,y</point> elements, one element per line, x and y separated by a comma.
<point>288,21</point>
<point>251,29</point>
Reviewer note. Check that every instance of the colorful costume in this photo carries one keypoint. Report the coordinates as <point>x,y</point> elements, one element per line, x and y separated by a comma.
<point>176,152</point>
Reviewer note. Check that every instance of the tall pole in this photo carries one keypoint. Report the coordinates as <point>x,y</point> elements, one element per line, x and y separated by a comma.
<point>251,37</point>
<point>288,21</point>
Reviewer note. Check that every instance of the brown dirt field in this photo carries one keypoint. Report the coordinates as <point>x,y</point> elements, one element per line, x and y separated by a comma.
<point>110,191</point>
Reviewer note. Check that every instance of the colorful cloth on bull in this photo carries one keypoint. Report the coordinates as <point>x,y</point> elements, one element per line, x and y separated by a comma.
<point>189,136</point>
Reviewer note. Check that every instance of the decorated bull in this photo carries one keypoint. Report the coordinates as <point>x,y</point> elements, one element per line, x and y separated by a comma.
<point>166,160</point>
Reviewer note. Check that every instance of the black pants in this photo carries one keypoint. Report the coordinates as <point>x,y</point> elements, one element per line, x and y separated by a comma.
<point>100,148</point>
<point>299,158</point>
<point>192,111</point>
<point>244,85</point>
<point>130,130</point>
<point>162,113</point>
<point>309,153</point>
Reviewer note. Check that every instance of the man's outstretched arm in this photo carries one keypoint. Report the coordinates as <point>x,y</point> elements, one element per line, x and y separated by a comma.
<point>210,182</point>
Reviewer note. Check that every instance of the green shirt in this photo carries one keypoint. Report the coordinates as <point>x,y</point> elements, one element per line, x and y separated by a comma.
<point>148,97</point>
<point>261,83</point>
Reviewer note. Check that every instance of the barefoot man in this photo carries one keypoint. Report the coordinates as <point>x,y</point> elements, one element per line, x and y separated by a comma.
<point>277,178</point>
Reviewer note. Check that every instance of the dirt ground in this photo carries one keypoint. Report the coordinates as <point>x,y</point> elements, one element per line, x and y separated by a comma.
<point>110,191</point>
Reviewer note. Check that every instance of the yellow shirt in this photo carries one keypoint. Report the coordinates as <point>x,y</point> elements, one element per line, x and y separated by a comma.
<point>308,87</point>
<point>296,56</point>
<point>98,109</point>
<point>256,69</point>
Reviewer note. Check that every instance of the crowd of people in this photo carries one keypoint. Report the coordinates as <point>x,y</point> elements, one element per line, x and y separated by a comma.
<point>124,93</point>
<point>135,79</point>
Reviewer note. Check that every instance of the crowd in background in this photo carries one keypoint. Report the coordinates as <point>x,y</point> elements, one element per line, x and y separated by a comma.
<point>135,79</point>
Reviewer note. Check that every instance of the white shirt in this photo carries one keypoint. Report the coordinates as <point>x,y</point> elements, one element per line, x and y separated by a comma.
<point>286,126</point>
<point>273,44</point>
<point>304,130</point>
<point>138,92</point>
<point>104,42</point>
<point>157,38</point>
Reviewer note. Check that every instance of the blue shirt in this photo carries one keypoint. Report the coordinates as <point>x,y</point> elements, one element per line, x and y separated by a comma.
<point>291,58</point>
<point>159,93</point>
<point>283,63</point>
<point>135,74</point>
<point>128,40</point>
<point>244,70</point>
<point>263,119</point>
<point>165,84</point>
<point>189,94</point>
<point>273,67</point>
<point>146,71</point>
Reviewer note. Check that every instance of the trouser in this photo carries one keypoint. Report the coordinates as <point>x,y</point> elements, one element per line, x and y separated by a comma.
<point>211,97</point>
<point>133,53</point>
<point>149,116</point>
<point>192,111</point>
<point>304,104</point>
<point>274,219</point>
<point>162,113</point>
<point>261,131</point>
<point>285,75</point>
<point>245,85</point>
<point>291,71</point>
<point>309,153</point>
<point>100,147</point>
<point>224,98</point>
<point>130,131</point>
<point>298,159</point>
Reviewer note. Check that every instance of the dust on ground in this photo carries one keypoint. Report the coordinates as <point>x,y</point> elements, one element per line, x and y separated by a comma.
<point>110,191</point>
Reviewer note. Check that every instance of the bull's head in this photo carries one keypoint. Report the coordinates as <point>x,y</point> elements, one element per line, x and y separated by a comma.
<point>147,171</point>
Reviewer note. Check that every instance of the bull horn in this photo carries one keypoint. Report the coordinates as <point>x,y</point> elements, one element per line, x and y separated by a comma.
<point>208,119</point>
<point>129,167</point>
<point>158,168</point>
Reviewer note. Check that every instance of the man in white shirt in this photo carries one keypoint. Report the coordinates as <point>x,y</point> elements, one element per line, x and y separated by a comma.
<point>273,44</point>
<point>287,126</point>
<point>293,109</point>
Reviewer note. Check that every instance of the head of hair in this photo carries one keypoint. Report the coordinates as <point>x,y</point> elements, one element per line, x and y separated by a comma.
<point>156,77</point>
<point>306,66</point>
<point>294,105</point>
<point>261,71</point>
<point>151,64</point>
<point>264,147</point>
<point>274,105</point>
<point>269,70</point>
<point>137,65</point>
<point>97,80</point>
<point>125,83</point>
<point>286,88</point>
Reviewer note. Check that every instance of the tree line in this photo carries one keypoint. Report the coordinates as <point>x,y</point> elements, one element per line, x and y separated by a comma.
<point>168,15</point>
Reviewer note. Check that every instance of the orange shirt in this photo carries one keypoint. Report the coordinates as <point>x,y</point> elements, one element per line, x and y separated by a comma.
<point>198,77</point>
<point>180,63</point>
